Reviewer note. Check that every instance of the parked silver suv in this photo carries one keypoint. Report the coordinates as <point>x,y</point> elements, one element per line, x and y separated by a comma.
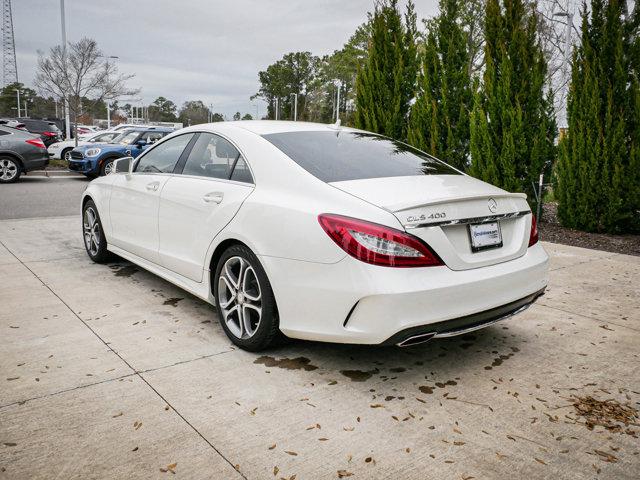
<point>20,152</point>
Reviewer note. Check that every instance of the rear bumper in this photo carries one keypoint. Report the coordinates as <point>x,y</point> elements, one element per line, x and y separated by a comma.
<point>36,162</point>
<point>460,326</point>
<point>354,302</point>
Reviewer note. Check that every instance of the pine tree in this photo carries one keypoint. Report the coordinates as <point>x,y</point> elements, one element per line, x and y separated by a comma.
<point>386,83</point>
<point>598,173</point>
<point>439,121</point>
<point>512,126</point>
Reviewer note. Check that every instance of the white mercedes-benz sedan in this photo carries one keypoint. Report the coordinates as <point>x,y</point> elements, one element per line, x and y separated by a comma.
<point>319,232</point>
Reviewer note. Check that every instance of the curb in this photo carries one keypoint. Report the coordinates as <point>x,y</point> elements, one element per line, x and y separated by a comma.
<point>53,173</point>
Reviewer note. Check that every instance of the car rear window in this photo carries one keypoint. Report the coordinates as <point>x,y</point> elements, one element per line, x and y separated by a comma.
<point>347,155</point>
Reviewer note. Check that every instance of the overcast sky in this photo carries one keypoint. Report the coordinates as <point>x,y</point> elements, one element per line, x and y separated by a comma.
<point>209,50</point>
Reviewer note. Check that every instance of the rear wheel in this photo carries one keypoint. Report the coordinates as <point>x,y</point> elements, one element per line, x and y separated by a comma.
<point>66,154</point>
<point>94,241</point>
<point>10,170</point>
<point>245,301</point>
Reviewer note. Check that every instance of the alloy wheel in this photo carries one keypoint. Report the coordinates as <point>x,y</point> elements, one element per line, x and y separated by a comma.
<point>67,155</point>
<point>108,168</point>
<point>91,230</point>
<point>8,169</point>
<point>240,297</point>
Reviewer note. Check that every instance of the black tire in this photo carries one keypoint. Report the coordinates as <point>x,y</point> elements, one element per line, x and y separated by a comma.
<point>267,333</point>
<point>10,170</point>
<point>107,162</point>
<point>63,154</point>
<point>98,253</point>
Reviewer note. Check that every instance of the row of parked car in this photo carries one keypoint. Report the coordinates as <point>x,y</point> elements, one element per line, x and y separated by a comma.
<point>28,144</point>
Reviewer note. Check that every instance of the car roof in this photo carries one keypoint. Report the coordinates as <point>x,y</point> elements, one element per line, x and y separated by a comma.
<point>266,127</point>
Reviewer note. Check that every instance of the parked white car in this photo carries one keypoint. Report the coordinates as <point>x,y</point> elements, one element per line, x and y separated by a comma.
<point>62,150</point>
<point>318,232</point>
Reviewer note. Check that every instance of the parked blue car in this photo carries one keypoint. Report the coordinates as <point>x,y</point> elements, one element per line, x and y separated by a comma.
<point>97,159</point>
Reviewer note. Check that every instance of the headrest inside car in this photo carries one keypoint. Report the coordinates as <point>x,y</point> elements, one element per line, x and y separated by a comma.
<point>225,150</point>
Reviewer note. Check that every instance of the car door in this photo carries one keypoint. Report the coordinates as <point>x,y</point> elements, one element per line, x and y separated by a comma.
<point>197,204</point>
<point>135,199</point>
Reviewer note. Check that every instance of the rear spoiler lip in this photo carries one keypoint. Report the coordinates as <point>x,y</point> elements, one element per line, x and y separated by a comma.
<point>406,206</point>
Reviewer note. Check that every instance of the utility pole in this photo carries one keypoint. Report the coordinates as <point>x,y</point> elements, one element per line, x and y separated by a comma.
<point>338,103</point>
<point>295,107</point>
<point>276,108</point>
<point>67,120</point>
<point>18,94</point>
<point>108,116</point>
<point>26,114</point>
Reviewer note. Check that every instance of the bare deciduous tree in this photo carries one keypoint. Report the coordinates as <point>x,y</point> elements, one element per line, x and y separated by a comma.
<point>80,72</point>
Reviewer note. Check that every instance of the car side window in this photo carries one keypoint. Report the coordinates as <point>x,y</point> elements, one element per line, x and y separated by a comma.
<point>211,156</point>
<point>241,172</point>
<point>163,158</point>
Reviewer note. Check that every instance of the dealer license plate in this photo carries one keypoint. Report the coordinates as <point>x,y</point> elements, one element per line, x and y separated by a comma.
<point>484,236</point>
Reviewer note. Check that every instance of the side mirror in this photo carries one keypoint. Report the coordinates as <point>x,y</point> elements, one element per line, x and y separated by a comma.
<point>141,143</point>
<point>123,165</point>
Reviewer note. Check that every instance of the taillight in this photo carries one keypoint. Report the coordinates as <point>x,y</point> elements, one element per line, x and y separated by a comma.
<point>36,142</point>
<point>50,134</point>
<point>377,244</point>
<point>533,236</point>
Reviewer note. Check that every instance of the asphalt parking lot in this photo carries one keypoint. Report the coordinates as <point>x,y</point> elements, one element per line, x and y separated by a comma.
<point>111,372</point>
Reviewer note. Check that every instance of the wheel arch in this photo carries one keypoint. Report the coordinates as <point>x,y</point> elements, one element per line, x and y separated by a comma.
<point>215,257</point>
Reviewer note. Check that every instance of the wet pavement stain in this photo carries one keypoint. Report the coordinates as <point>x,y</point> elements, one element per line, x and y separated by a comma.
<point>124,270</point>
<point>498,361</point>
<point>398,369</point>
<point>172,301</point>
<point>359,375</point>
<point>298,363</point>
<point>426,389</point>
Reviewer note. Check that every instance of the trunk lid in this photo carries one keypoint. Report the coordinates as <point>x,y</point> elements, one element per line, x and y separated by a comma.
<point>439,209</point>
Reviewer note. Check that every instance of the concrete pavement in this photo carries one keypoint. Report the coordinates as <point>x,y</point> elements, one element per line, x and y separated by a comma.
<point>110,372</point>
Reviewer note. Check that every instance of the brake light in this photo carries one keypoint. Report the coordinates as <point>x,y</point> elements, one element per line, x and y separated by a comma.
<point>36,142</point>
<point>533,236</point>
<point>377,244</point>
<point>50,134</point>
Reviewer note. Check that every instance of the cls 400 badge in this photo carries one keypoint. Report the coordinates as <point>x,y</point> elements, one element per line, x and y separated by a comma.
<point>423,217</point>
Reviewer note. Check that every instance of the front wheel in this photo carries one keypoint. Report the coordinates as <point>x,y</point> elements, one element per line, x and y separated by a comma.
<point>9,170</point>
<point>245,302</point>
<point>94,240</point>
<point>107,166</point>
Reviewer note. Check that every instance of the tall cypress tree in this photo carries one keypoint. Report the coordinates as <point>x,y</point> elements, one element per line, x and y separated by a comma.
<point>439,121</point>
<point>598,173</point>
<point>512,126</point>
<point>386,84</point>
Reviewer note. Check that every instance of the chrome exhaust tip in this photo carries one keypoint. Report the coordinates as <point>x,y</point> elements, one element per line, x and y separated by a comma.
<point>416,339</point>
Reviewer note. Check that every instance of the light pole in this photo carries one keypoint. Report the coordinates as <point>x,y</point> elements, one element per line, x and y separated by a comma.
<point>295,107</point>
<point>276,108</point>
<point>67,121</point>
<point>18,94</point>
<point>338,84</point>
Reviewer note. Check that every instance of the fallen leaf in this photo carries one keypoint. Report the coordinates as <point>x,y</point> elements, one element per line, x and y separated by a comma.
<point>275,471</point>
<point>291,453</point>
<point>539,461</point>
<point>344,473</point>
<point>272,446</point>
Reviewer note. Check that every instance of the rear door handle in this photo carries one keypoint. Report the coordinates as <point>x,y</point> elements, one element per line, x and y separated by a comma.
<point>153,186</point>
<point>213,197</point>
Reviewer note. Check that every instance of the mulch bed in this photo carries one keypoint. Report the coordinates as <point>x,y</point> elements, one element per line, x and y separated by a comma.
<point>552,231</point>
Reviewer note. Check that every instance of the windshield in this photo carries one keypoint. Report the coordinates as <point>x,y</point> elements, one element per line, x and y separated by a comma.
<point>126,138</point>
<point>345,155</point>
